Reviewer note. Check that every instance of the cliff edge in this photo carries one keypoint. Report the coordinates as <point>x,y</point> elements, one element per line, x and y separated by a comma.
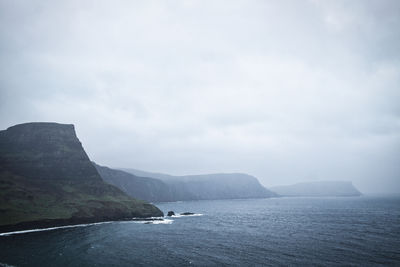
<point>47,179</point>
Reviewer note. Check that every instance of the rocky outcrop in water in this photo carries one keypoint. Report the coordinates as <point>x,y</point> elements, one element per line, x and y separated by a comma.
<point>187,213</point>
<point>170,213</point>
<point>47,179</point>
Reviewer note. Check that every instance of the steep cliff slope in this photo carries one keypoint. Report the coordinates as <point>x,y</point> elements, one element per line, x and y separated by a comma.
<point>219,186</point>
<point>144,188</point>
<point>209,186</point>
<point>46,178</point>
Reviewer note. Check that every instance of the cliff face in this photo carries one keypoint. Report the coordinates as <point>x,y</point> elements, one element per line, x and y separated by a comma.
<point>219,186</point>
<point>46,151</point>
<point>144,188</point>
<point>162,187</point>
<point>319,189</point>
<point>46,178</point>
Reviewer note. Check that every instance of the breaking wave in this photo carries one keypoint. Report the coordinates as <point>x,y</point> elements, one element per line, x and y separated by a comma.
<point>153,220</point>
<point>51,228</point>
<point>190,215</point>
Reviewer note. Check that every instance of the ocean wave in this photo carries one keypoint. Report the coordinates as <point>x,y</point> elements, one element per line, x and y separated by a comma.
<point>51,228</point>
<point>190,215</point>
<point>163,221</point>
<point>153,220</point>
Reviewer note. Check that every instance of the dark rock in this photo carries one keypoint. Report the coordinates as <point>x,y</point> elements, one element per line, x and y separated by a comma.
<point>170,213</point>
<point>187,213</point>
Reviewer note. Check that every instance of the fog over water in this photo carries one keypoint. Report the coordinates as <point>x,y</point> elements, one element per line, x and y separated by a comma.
<point>287,91</point>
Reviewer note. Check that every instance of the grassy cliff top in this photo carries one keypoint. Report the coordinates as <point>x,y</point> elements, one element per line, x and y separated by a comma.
<point>45,174</point>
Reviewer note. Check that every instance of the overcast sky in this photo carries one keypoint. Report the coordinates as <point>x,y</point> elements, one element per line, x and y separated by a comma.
<point>288,91</point>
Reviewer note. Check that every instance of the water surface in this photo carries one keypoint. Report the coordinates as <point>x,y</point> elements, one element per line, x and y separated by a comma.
<point>278,231</point>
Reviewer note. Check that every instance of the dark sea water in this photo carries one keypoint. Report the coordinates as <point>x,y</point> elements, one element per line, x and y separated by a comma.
<point>362,231</point>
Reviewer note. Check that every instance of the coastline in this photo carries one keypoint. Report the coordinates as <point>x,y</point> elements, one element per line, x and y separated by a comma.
<point>50,224</point>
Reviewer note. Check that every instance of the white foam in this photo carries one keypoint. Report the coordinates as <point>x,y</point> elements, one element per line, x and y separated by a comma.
<point>157,220</point>
<point>51,228</point>
<point>163,221</point>
<point>190,215</point>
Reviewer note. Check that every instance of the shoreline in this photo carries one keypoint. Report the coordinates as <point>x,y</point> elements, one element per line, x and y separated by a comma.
<point>50,224</point>
<point>51,228</point>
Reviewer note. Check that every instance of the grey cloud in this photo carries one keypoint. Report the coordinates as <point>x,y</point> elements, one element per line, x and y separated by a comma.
<point>285,90</point>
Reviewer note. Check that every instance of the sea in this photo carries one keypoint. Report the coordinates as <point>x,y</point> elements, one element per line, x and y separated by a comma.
<point>346,231</point>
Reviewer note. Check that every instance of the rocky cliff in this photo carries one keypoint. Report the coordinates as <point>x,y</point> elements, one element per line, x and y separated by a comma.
<point>218,186</point>
<point>46,179</point>
<point>191,187</point>
<point>144,188</point>
<point>45,151</point>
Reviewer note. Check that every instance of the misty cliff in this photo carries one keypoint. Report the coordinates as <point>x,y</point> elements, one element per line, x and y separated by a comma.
<point>46,178</point>
<point>318,189</point>
<point>144,188</point>
<point>200,187</point>
<point>218,186</point>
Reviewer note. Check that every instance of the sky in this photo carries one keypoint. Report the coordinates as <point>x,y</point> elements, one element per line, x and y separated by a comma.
<point>287,91</point>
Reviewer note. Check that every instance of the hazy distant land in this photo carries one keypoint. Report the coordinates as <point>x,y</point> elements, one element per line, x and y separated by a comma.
<point>318,189</point>
<point>158,187</point>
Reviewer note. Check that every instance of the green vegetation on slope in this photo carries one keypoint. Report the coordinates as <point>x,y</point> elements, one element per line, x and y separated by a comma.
<point>45,175</point>
<point>24,200</point>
